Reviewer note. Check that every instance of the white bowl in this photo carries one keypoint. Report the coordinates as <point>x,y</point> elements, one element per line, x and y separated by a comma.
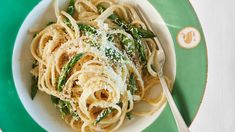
<point>41,109</point>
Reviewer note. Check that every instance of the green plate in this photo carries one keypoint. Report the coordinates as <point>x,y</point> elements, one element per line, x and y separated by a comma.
<point>191,60</point>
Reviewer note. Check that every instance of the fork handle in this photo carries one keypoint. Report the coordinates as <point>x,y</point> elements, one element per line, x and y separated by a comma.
<point>182,127</point>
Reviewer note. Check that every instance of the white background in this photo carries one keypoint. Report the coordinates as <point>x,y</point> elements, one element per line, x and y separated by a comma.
<point>217,112</point>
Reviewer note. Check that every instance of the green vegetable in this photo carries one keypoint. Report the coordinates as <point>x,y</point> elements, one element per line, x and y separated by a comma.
<point>67,22</point>
<point>120,104</point>
<point>132,84</point>
<point>135,31</point>
<point>66,70</point>
<point>75,115</point>
<point>140,32</point>
<point>64,107</point>
<point>107,111</point>
<point>71,8</point>
<point>93,44</point>
<point>34,87</point>
<point>141,51</point>
<point>35,35</point>
<point>55,100</point>
<point>113,54</point>
<point>114,17</point>
<point>49,23</point>
<point>87,28</point>
<point>109,52</point>
<point>128,44</point>
<point>35,64</point>
<point>64,111</point>
<point>128,104</point>
<point>103,114</point>
<point>154,67</point>
<point>34,83</point>
<point>110,37</point>
<point>70,11</point>
<point>92,30</point>
<point>129,115</point>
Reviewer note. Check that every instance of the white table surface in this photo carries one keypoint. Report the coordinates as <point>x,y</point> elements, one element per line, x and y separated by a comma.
<point>217,112</point>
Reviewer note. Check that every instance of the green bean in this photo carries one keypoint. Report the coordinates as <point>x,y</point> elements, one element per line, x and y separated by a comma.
<point>66,70</point>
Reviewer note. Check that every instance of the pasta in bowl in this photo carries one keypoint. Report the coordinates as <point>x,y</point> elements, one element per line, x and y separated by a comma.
<point>95,61</point>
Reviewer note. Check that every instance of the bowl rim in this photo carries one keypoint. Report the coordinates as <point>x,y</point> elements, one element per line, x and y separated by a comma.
<point>13,60</point>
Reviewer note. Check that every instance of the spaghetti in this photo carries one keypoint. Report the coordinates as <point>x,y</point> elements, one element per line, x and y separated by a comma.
<point>96,62</point>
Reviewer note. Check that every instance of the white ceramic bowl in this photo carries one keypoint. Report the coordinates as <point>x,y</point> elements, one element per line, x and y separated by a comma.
<point>41,109</point>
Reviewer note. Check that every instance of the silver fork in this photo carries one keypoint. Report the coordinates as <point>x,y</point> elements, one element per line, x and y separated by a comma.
<point>182,127</point>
